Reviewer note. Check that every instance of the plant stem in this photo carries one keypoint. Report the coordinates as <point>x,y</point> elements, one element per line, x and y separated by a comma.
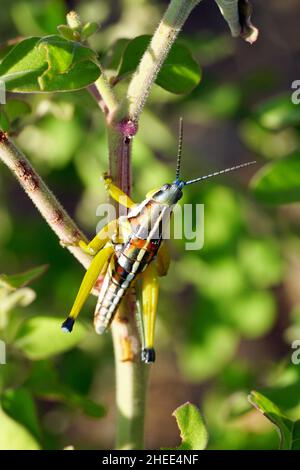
<point>131,373</point>
<point>153,58</point>
<point>45,201</point>
<point>104,95</point>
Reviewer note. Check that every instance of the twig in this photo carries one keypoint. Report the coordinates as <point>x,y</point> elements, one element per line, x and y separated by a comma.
<point>45,201</point>
<point>105,96</point>
<point>153,58</point>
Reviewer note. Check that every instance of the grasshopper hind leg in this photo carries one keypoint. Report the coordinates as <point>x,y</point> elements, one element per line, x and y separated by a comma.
<point>150,290</point>
<point>87,284</point>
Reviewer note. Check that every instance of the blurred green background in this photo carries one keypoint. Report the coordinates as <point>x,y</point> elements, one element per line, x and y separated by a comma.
<point>228,313</point>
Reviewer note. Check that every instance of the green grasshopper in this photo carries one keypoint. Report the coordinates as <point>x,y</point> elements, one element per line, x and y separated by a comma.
<point>129,248</point>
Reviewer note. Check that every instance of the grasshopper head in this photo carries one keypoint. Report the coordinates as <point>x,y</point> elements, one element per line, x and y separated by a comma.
<point>169,194</point>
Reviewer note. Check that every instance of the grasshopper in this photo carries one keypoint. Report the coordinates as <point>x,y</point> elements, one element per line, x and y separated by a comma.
<point>129,248</point>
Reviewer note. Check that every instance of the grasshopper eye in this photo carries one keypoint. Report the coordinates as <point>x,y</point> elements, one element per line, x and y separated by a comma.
<point>165,187</point>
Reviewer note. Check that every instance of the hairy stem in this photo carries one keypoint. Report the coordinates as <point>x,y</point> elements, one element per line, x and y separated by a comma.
<point>45,201</point>
<point>153,58</point>
<point>104,95</point>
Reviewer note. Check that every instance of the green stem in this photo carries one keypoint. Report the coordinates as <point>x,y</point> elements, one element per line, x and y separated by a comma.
<point>107,99</point>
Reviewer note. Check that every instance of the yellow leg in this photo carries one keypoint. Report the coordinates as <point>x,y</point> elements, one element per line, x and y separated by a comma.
<point>100,239</point>
<point>117,194</point>
<point>87,284</point>
<point>163,260</point>
<point>150,290</point>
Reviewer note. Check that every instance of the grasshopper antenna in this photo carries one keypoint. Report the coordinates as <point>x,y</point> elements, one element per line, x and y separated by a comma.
<point>217,173</point>
<point>179,148</point>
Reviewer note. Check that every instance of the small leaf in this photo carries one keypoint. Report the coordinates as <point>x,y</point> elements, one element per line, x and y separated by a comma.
<point>42,337</point>
<point>179,74</point>
<point>192,428</point>
<point>278,113</point>
<point>48,64</point>
<point>14,436</point>
<point>15,281</point>
<point>112,58</point>
<point>89,29</point>
<point>19,405</point>
<point>278,182</point>
<point>70,65</point>
<point>66,32</point>
<point>288,430</point>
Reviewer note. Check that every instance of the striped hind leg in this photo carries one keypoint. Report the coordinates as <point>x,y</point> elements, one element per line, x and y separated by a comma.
<point>87,284</point>
<point>150,289</point>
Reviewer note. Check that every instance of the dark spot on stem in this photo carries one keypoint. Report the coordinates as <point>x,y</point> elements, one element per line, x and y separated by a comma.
<point>57,217</point>
<point>3,136</point>
<point>76,235</point>
<point>27,175</point>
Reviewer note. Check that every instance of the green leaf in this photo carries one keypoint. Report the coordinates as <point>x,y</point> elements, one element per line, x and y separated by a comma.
<point>42,337</point>
<point>179,74</point>
<point>278,182</point>
<point>278,113</point>
<point>14,436</point>
<point>112,58</point>
<point>16,109</point>
<point>192,428</point>
<point>89,29</point>
<point>11,112</point>
<point>4,121</point>
<point>15,281</point>
<point>19,405</point>
<point>66,32</point>
<point>44,383</point>
<point>289,431</point>
<point>48,64</point>
<point>7,46</point>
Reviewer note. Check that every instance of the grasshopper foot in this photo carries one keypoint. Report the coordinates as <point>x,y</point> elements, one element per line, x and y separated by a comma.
<point>67,325</point>
<point>148,355</point>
